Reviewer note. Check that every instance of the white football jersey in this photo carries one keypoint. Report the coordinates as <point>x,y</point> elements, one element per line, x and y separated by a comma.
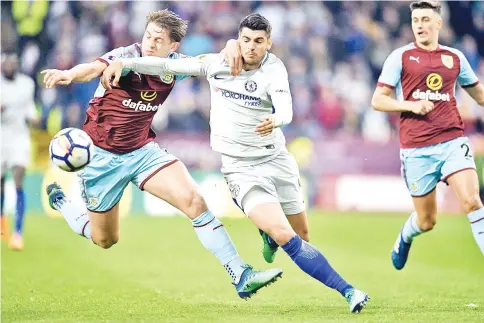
<point>18,107</point>
<point>238,104</point>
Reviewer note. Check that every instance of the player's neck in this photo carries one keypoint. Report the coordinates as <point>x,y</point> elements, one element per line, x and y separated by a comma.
<point>251,67</point>
<point>429,47</point>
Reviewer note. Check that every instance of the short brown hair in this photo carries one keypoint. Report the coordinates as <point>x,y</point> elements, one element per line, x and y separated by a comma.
<point>166,19</point>
<point>434,5</point>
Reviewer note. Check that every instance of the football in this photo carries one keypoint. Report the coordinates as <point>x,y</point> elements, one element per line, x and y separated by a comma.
<point>71,149</point>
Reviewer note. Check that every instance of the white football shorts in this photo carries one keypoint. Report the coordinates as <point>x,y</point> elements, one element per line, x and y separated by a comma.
<point>273,181</point>
<point>14,152</point>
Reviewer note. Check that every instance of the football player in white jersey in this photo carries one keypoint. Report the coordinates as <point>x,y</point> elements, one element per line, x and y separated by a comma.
<point>18,114</point>
<point>247,112</point>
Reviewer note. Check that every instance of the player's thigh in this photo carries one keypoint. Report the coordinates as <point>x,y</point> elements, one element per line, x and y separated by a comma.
<point>269,217</point>
<point>299,222</point>
<point>459,171</point>
<point>421,170</point>
<point>248,179</point>
<point>17,158</point>
<point>259,202</point>
<point>103,180</point>
<point>284,173</point>
<point>18,173</point>
<point>466,186</point>
<point>163,176</point>
<point>5,152</point>
<point>426,208</point>
<point>105,226</point>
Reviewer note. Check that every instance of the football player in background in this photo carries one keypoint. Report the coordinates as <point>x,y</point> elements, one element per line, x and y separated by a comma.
<point>18,114</point>
<point>433,146</point>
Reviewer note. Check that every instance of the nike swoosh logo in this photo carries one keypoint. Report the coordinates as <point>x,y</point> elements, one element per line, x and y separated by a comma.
<point>217,77</point>
<point>480,233</point>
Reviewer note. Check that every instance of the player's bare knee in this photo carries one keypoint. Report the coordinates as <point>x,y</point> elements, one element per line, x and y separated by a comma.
<point>471,203</point>
<point>106,243</point>
<point>196,204</point>
<point>427,223</point>
<point>19,182</point>
<point>304,234</point>
<point>105,240</point>
<point>281,235</point>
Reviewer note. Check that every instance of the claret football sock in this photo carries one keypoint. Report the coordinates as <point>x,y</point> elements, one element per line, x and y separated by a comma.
<point>214,237</point>
<point>476,219</point>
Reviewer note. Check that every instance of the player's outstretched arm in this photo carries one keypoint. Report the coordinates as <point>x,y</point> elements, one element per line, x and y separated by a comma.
<point>381,101</point>
<point>477,93</point>
<point>152,65</point>
<point>81,73</point>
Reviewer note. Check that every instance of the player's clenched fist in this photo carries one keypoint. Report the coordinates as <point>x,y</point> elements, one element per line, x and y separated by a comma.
<point>112,72</point>
<point>422,107</point>
<point>265,127</point>
<point>56,77</point>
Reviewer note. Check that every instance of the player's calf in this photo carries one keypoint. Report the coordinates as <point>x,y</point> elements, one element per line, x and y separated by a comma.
<point>298,223</point>
<point>304,235</point>
<point>427,223</point>
<point>194,204</point>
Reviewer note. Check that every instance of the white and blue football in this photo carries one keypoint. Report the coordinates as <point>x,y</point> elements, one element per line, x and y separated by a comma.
<point>71,149</point>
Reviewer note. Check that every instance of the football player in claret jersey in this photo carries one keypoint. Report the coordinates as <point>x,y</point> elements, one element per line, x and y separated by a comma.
<point>118,121</point>
<point>18,114</point>
<point>246,114</point>
<point>433,146</point>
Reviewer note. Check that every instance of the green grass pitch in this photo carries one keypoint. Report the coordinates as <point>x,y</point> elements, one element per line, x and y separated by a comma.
<point>159,272</point>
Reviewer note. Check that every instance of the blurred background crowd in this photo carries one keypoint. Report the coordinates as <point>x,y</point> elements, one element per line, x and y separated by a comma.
<point>334,52</point>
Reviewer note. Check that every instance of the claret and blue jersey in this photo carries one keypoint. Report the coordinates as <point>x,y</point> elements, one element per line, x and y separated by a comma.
<point>419,74</point>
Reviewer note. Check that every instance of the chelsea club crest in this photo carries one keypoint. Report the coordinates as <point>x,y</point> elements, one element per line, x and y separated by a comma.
<point>250,86</point>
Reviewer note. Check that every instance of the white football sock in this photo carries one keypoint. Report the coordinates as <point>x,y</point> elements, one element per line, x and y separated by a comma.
<point>476,219</point>
<point>76,216</point>
<point>214,237</point>
<point>410,229</point>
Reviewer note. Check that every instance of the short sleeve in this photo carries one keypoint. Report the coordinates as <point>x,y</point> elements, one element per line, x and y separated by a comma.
<point>467,77</point>
<point>392,70</point>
